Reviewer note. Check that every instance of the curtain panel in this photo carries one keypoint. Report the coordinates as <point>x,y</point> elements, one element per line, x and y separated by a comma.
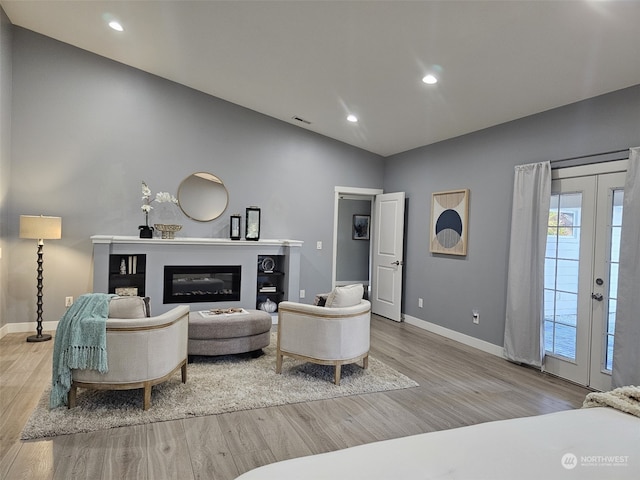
<point>626,352</point>
<point>524,335</point>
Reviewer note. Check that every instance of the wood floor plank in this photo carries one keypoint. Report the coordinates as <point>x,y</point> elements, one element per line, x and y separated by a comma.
<point>242,433</point>
<point>459,386</point>
<point>78,456</point>
<point>34,461</point>
<point>283,440</point>
<point>208,450</point>
<point>168,454</point>
<point>125,453</point>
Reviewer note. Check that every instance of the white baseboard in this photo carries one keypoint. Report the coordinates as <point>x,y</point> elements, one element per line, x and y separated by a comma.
<point>487,347</point>
<point>27,327</point>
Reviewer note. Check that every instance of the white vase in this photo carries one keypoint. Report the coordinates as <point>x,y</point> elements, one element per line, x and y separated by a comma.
<point>268,306</point>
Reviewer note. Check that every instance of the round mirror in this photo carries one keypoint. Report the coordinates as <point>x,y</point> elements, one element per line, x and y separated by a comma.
<point>202,197</point>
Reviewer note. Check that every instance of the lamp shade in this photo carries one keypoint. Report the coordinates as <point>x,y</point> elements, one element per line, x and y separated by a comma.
<point>40,227</point>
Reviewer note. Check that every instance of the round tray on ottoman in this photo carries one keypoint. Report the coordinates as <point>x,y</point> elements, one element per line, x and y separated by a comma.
<point>226,334</point>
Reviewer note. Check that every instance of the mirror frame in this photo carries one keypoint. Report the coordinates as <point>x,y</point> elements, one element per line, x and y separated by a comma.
<point>194,189</point>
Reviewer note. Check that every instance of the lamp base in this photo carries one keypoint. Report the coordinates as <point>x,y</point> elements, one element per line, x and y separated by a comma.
<point>39,338</point>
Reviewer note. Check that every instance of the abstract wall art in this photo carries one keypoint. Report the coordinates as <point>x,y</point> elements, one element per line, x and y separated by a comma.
<point>449,221</point>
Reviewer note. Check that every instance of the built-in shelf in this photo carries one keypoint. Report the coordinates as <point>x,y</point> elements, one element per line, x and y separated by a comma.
<point>127,274</point>
<point>270,279</point>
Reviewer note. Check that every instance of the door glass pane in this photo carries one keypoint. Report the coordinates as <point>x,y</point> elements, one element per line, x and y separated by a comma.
<point>614,259</point>
<point>561,274</point>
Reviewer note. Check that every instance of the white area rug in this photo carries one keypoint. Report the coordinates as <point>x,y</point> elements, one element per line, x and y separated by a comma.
<point>214,385</point>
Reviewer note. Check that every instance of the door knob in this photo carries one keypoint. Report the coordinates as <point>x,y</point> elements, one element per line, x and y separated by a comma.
<point>396,263</point>
<point>597,296</point>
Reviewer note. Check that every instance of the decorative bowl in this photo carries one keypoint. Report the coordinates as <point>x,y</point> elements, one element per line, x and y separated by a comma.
<point>168,231</point>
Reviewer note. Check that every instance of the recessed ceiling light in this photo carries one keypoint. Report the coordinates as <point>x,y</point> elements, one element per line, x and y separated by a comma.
<point>352,118</point>
<point>430,79</point>
<point>116,26</point>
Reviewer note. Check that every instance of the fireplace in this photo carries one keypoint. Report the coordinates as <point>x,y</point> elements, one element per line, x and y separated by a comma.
<point>201,283</point>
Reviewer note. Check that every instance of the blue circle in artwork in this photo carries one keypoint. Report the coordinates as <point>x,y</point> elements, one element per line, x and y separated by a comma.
<point>449,228</point>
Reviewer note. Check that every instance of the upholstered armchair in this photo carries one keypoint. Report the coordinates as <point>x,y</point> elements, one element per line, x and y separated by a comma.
<point>337,333</point>
<point>142,351</point>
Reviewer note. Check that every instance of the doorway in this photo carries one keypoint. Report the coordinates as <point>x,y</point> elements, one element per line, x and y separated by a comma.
<point>352,257</point>
<point>581,272</point>
<point>383,266</point>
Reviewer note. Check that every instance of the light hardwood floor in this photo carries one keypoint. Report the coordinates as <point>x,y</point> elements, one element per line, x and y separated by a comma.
<point>458,386</point>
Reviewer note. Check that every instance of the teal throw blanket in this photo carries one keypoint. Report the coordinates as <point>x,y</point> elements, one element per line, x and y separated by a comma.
<point>80,342</point>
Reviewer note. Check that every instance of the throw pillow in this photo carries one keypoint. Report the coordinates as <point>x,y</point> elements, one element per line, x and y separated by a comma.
<point>346,296</point>
<point>129,307</point>
<point>321,299</point>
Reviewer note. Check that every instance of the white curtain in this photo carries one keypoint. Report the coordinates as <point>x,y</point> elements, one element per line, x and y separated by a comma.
<point>524,332</point>
<point>626,353</point>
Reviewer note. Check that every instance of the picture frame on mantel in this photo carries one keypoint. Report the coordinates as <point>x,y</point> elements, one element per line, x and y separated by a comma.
<point>449,222</point>
<point>252,223</point>
<point>234,226</point>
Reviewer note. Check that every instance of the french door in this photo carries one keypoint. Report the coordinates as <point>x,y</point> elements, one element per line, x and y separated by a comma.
<point>581,276</point>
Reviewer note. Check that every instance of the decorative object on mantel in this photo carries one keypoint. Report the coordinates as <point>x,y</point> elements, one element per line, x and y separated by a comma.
<point>252,228</point>
<point>40,228</point>
<point>167,209</point>
<point>234,226</point>
<point>167,231</point>
<point>145,230</point>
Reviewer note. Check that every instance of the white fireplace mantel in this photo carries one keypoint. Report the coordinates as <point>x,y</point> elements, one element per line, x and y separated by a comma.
<point>196,251</point>
<point>193,241</point>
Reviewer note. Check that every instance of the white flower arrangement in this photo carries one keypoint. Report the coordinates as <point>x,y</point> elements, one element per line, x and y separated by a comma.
<point>146,198</point>
<point>165,197</point>
<point>161,197</point>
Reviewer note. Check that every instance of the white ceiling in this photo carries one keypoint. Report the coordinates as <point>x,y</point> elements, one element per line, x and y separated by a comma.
<point>320,60</point>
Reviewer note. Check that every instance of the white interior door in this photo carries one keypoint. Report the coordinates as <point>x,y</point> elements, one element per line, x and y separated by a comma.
<point>387,256</point>
<point>581,277</point>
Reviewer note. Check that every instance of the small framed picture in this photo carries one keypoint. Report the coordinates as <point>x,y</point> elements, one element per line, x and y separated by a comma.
<point>252,227</point>
<point>361,227</point>
<point>234,227</point>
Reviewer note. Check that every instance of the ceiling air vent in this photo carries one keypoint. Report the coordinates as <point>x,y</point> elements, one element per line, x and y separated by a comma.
<point>301,120</point>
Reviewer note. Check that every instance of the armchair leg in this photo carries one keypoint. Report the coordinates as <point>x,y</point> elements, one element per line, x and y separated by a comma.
<point>278,362</point>
<point>71,399</point>
<point>337,374</point>
<point>365,362</point>
<point>146,403</point>
<point>184,372</point>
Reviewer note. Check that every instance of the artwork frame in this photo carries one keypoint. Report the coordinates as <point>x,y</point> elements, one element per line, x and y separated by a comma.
<point>252,223</point>
<point>361,228</point>
<point>234,227</point>
<point>448,233</point>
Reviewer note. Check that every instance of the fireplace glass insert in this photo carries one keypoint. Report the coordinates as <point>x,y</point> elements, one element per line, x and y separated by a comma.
<point>201,283</point>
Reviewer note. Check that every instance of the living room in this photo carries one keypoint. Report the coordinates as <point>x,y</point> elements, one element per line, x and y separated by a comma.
<point>80,132</point>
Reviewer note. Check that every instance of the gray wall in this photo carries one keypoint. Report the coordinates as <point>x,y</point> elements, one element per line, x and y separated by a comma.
<point>483,162</point>
<point>86,131</point>
<point>5,152</point>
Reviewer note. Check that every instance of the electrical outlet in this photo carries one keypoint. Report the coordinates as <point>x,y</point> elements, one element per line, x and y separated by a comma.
<point>319,245</point>
<point>476,316</point>
<point>302,293</point>
<point>420,303</point>
<point>68,301</point>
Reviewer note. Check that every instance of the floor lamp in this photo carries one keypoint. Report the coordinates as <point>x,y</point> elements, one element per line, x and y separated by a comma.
<point>40,228</point>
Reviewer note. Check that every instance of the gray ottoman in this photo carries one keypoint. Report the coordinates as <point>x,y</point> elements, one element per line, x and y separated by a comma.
<point>228,334</point>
